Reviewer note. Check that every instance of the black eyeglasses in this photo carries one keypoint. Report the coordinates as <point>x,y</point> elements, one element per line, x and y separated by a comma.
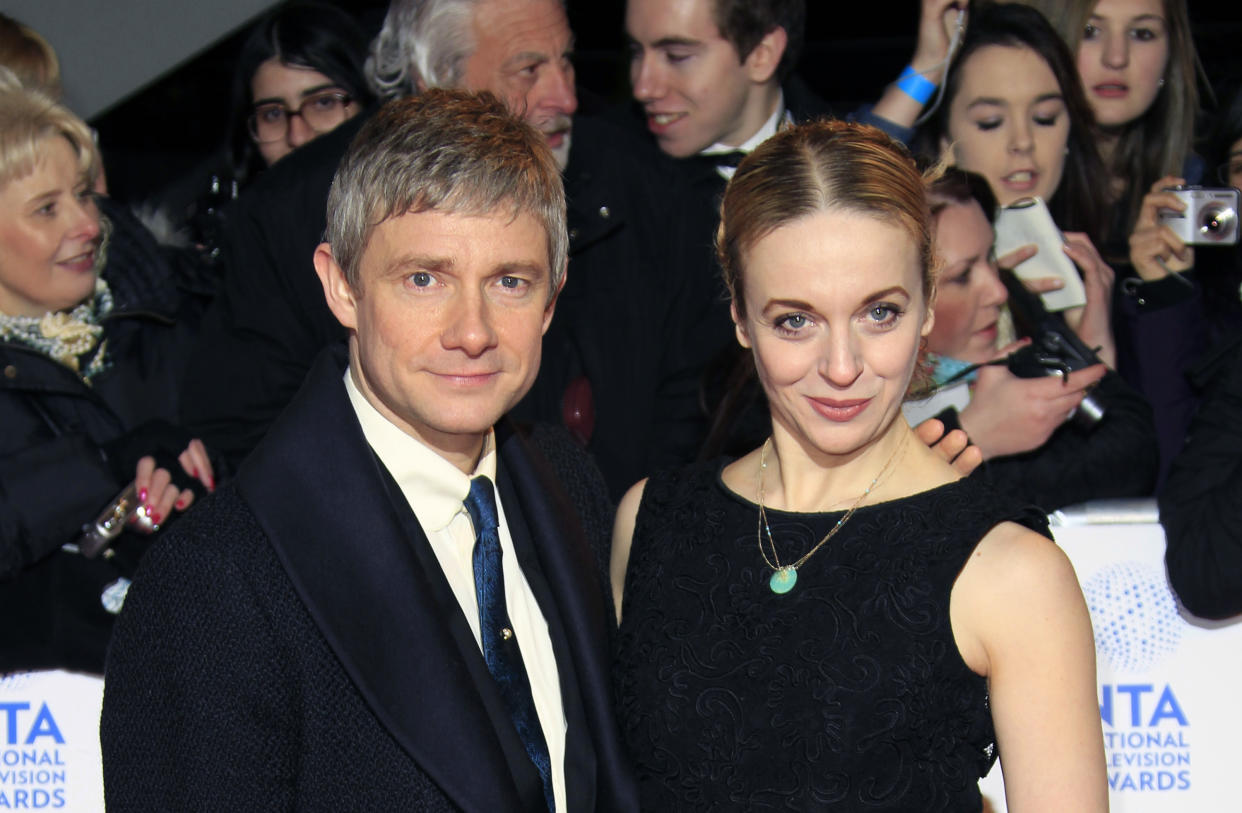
<point>321,112</point>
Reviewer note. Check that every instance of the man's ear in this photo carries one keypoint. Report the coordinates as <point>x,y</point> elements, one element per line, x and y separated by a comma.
<point>739,326</point>
<point>339,294</point>
<point>547,312</point>
<point>763,59</point>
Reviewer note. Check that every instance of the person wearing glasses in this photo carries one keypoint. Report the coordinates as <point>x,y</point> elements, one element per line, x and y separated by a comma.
<point>300,75</point>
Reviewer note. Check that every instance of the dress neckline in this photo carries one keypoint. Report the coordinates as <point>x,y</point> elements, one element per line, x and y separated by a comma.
<point>733,496</point>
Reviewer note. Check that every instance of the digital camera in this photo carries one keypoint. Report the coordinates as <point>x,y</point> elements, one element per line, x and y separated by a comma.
<point>1210,218</point>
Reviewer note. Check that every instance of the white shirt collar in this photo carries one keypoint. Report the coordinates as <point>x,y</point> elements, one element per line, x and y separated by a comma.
<point>762,134</point>
<point>434,487</point>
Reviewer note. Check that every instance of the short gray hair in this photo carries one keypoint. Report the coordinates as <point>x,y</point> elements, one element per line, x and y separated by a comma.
<point>425,41</point>
<point>447,151</point>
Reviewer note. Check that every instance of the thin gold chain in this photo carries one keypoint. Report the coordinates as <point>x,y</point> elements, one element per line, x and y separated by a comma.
<point>765,530</point>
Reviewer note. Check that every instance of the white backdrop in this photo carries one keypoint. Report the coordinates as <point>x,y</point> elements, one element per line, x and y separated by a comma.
<point>1167,682</point>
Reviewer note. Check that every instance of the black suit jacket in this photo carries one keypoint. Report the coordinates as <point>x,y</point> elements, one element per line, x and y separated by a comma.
<point>294,644</point>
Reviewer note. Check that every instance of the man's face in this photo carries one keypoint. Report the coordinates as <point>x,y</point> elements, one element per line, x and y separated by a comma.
<point>689,79</point>
<point>448,321</point>
<point>522,54</point>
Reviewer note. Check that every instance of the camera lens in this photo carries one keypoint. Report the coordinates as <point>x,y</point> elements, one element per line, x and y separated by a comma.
<point>1216,222</point>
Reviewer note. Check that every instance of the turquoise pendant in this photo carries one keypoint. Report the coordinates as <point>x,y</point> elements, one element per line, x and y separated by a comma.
<point>783,580</point>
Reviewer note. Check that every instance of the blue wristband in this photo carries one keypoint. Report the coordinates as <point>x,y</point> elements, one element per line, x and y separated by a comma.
<point>915,85</point>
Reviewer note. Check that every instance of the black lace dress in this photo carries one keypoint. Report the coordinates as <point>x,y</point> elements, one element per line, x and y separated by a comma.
<point>847,693</point>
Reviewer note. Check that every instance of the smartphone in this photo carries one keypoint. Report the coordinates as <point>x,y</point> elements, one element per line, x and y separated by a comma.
<point>1027,221</point>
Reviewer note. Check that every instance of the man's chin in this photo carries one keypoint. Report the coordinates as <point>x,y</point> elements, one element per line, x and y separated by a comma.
<point>560,151</point>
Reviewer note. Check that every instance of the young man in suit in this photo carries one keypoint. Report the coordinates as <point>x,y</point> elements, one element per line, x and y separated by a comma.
<point>391,606</point>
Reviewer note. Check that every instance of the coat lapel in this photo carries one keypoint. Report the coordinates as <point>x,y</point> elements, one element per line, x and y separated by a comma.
<point>322,499</point>
<point>597,771</point>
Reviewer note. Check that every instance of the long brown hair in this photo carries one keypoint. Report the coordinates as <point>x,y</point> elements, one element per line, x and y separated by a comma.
<point>1158,142</point>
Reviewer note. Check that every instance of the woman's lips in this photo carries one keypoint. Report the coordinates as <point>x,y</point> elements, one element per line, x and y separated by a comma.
<point>80,263</point>
<point>839,411</point>
<point>1111,90</point>
<point>1023,180</point>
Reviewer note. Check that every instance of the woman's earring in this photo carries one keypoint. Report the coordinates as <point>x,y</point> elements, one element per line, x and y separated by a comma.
<point>1160,83</point>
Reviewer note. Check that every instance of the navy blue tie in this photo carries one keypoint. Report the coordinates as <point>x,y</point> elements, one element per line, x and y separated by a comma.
<point>500,646</point>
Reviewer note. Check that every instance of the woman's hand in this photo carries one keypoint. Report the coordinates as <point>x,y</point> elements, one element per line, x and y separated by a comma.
<point>1009,415</point>
<point>954,447</point>
<point>938,20</point>
<point>1155,251</point>
<point>159,496</point>
<point>1092,322</point>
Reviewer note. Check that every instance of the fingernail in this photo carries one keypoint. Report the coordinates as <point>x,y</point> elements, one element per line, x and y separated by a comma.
<point>142,495</point>
<point>155,518</point>
<point>211,484</point>
<point>180,503</point>
<point>194,473</point>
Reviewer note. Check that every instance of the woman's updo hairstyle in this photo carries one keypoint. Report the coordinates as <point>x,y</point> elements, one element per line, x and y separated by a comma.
<point>821,166</point>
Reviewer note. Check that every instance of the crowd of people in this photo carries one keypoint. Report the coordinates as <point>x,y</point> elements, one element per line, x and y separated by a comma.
<point>489,454</point>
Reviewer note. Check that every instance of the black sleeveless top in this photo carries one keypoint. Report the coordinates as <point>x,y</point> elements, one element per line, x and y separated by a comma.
<point>847,693</point>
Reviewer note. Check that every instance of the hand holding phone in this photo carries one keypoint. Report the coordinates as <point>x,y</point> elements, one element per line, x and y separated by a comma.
<point>1027,222</point>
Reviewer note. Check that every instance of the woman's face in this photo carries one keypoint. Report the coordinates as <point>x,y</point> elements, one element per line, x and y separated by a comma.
<point>1233,169</point>
<point>49,235</point>
<point>1008,122</point>
<point>835,313</point>
<point>969,293</point>
<point>1122,57</point>
<point>278,88</point>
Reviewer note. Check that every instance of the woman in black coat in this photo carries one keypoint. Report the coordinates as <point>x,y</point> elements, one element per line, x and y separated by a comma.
<point>88,361</point>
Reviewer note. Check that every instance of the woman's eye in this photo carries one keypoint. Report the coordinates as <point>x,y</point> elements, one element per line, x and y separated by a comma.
<point>792,322</point>
<point>1046,121</point>
<point>883,314</point>
<point>1090,32</point>
<point>988,124</point>
<point>328,101</point>
<point>1144,34</point>
<point>270,115</point>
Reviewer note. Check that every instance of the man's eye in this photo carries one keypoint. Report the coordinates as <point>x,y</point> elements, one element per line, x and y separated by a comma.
<point>420,279</point>
<point>512,283</point>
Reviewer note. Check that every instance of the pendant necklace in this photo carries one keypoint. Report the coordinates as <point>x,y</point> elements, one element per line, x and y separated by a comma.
<point>784,577</point>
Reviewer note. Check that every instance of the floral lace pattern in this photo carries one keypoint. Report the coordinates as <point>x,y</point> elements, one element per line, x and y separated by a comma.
<point>847,693</point>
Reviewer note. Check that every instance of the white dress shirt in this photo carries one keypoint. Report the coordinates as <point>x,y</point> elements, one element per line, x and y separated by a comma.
<point>436,491</point>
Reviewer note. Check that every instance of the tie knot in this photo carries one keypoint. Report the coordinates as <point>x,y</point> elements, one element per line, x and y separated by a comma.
<point>481,505</point>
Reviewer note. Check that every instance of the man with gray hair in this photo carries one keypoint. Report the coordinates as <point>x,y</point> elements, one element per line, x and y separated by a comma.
<point>622,358</point>
<point>391,606</point>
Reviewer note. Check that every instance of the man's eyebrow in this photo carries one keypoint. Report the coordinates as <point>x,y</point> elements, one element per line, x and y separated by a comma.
<point>676,42</point>
<point>525,57</point>
<point>408,263</point>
